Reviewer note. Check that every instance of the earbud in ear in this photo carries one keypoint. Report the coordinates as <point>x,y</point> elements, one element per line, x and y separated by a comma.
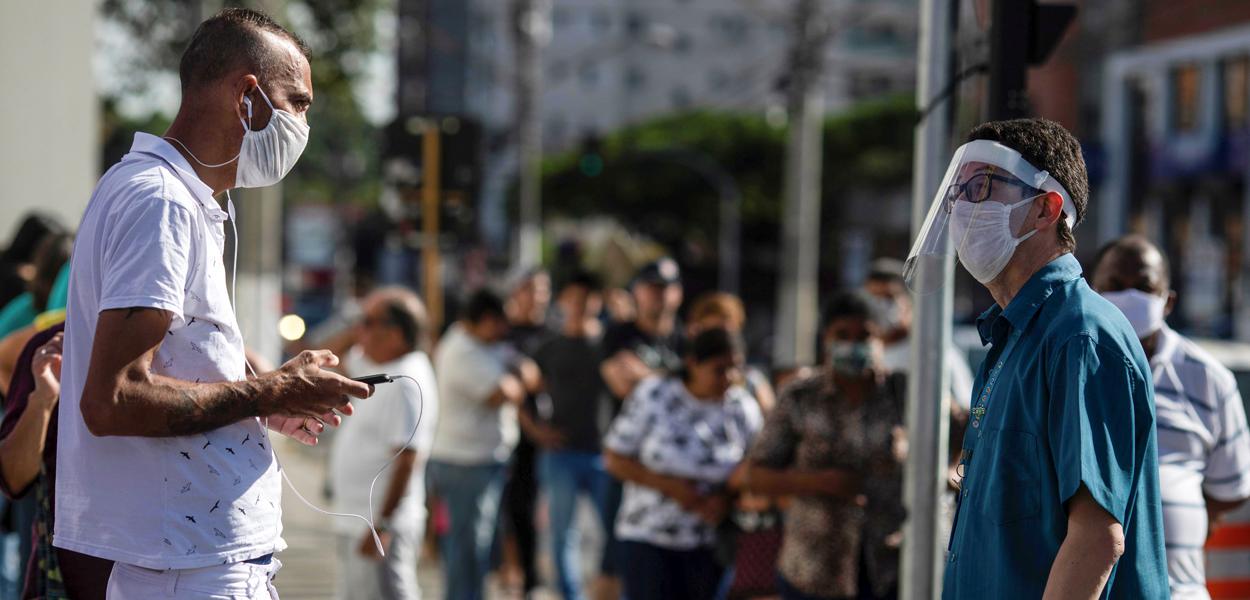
<point>248,102</point>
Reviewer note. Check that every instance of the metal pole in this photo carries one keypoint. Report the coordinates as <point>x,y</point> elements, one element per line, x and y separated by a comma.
<point>928,402</point>
<point>429,224</point>
<point>800,257</point>
<point>532,28</point>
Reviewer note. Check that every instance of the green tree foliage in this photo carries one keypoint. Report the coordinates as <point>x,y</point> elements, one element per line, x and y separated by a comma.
<point>867,149</point>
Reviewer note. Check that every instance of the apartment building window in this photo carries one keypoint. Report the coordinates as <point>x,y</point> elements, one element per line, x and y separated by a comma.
<point>1186,108</point>
<point>588,75</point>
<point>1237,92</point>
<point>635,79</point>
<point>560,18</point>
<point>635,25</point>
<point>601,21</point>
<point>680,98</point>
<point>683,43</point>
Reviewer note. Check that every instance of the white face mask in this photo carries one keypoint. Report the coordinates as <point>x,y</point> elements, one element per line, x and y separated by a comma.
<point>269,154</point>
<point>1143,310</point>
<point>983,238</point>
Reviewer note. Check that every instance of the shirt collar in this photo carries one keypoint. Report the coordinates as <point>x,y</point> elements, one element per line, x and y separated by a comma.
<point>1030,298</point>
<point>1168,343</point>
<point>158,147</point>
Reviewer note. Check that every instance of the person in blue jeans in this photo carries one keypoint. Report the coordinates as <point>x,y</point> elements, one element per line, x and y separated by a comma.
<point>567,421</point>
<point>476,433</point>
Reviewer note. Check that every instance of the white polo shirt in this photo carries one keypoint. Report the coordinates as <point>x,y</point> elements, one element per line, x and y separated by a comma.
<point>1204,448</point>
<point>368,441</point>
<point>152,236</point>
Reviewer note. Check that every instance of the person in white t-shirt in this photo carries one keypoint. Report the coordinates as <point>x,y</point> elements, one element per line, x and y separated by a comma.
<point>164,460</point>
<point>1204,452</point>
<point>476,433</point>
<point>396,424</point>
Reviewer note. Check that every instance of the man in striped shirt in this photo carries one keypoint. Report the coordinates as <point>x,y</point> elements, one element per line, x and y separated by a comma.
<point>1204,448</point>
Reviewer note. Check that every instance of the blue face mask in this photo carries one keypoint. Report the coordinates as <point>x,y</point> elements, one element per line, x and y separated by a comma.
<point>852,359</point>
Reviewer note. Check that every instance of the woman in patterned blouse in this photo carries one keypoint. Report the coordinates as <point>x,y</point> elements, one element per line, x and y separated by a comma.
<point>835,445</point>
<point>674,445</point>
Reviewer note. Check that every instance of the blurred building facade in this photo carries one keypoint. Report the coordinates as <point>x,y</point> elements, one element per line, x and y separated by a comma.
<point>1159,93</point>
<point>610,63</point>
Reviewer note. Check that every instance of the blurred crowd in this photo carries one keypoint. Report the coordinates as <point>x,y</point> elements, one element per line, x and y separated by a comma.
<point>546,399</point>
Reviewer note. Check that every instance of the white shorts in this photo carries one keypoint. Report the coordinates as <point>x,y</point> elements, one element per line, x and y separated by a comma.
<point>235,581</point>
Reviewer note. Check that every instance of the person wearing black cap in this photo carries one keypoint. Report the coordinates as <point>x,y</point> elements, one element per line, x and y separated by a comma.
<point>633,351</point>
<point>647,345</point>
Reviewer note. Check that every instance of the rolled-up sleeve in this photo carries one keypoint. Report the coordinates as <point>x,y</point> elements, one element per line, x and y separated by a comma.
<point>1100,422</point>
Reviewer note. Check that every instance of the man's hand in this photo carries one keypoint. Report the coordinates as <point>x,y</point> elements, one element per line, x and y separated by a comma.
<point>308,389</point>
<point>369,550</point>
<point>713,509</point>
<point>546,436</point>
<point>683,492</point>
<point>304,430</point>
<point>46,367</point>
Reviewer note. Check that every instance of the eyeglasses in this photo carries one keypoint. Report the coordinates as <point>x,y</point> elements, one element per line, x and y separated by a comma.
<point>979,187</point>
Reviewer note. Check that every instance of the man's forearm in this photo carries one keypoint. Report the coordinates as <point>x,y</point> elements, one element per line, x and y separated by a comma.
<point>792,482</point>
<point>1093,544</point>
<point>164,407</point>
<point>400,478</point>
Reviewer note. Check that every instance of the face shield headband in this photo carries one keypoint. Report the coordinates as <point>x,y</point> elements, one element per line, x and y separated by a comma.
<point>977,172</point>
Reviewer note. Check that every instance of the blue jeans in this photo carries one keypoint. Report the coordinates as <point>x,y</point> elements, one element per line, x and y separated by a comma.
<point>471,493</point>
<point>565,475</point>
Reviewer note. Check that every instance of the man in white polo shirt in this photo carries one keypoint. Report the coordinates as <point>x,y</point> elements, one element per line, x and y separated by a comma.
<point>165,465</point>
<point>1204,449</point>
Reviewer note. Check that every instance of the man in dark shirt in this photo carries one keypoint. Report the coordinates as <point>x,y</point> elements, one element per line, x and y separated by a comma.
<point>528,299</point>
<point>568,422</point>
<point>648,345</point>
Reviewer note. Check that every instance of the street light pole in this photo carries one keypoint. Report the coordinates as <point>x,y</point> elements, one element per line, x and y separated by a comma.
<point>800,256</point>
<point>532,30</point>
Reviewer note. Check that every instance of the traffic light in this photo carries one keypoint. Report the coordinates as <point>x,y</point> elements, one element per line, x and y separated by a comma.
<point>460,140</point>
<point>1023,33</point>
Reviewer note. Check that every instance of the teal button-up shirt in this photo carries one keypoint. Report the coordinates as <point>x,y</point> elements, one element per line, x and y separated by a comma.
<point>1064,399</point>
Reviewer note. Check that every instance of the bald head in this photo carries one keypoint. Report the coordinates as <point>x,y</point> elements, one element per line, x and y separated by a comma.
<point>1131,262</point>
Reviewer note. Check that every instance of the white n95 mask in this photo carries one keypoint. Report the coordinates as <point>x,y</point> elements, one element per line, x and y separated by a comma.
<point>1143,310</point>
<point>983,238</point>
<point>269,154</point>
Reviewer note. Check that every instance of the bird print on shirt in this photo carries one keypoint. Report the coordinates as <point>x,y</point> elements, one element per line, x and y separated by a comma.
<point>216,505</point>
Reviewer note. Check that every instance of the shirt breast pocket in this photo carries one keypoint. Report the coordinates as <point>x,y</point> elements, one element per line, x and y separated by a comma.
<point>1011,477</point>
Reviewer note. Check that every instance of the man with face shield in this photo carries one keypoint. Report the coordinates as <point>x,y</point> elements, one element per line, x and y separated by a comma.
<point>1204,452</point>
<point>1059,488</point>
<point>165,465</point>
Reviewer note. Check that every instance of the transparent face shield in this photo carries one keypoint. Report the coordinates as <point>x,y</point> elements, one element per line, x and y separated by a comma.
<point>977,212</point>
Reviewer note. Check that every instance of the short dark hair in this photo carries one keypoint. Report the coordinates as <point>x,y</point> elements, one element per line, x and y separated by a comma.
<point>714,343</point>
<point>1051,148</point>
<point>482,304</point>
<point>845,304</point>
<point>584,279</point>
<point>404,311</point>
<point>228,40</point>
<point>1140,246</point>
